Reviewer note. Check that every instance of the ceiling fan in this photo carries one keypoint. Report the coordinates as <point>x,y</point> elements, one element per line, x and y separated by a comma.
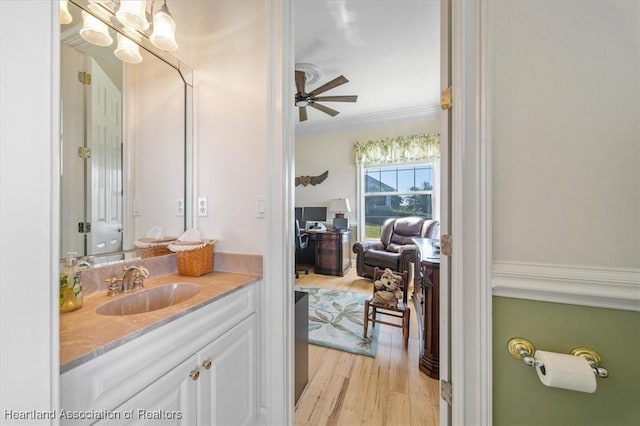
<point>304,99</point>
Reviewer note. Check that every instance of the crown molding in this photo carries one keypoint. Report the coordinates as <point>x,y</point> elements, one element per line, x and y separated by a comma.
<point>361,121</point>
<point>612,288</point>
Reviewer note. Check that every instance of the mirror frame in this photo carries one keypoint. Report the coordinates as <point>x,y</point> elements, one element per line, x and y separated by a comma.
<point>105,12</point>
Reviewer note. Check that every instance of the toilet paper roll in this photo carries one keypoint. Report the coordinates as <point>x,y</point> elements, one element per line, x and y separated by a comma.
<point>565,372</point>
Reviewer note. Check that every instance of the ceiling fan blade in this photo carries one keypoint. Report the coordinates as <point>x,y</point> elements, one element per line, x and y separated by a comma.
<point>330,85</point>
<point>300,81</point>
<point>302,113</point>
<point>346,98</point>
<point>326,110</point>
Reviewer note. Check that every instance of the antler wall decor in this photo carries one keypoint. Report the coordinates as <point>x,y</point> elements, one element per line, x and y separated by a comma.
<point>313,180</point>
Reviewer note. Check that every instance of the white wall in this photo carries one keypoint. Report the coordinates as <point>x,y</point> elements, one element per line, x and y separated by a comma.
<point>566,132</point>
<point>333,151</point>
<point>230,76</point>
<point>29,227</point>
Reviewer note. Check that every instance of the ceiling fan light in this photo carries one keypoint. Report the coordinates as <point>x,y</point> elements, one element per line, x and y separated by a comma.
<point>164,30</point>
<point>127,51</point>
<point>95,31</point>
<point>65,16</point>
<point>133,14</point>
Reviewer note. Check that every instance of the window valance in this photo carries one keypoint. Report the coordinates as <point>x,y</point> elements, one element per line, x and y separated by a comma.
<point>402,149</point>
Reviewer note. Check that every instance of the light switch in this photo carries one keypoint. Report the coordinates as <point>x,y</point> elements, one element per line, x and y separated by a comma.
<point>136,207</point>
<point>180,207</point>
<point>261,207</point>
<point>203,207</point>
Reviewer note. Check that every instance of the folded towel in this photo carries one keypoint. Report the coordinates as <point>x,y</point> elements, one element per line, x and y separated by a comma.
<point>191,235</point>
<point>156,233</point>
<point>191,239</point>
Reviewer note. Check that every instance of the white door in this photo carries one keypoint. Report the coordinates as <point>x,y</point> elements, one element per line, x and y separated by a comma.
<point>72,137</point>
<point>445,210</point>
<point>227,389</point>
<point>170,400</point>
<point>104,177</point>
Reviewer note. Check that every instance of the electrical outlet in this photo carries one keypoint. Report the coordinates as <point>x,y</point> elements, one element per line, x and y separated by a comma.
<point>203,207</point>
<point>180,207</point>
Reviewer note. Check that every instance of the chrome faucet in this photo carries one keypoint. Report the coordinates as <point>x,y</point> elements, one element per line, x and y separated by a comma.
<point>133,277</point>
<point>132,280</point>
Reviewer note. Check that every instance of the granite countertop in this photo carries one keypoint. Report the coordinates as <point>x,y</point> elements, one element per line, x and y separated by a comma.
<point>84,334</point>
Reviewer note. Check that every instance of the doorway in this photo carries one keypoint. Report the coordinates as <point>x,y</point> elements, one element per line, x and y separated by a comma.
<point>321,140</point>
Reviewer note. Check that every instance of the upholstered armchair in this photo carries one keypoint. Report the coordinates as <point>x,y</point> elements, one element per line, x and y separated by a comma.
<point>395,250</point>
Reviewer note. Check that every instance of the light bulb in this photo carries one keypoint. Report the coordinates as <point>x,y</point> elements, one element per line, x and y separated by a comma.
<point>127,50</point>
<point>95,31</point>
<point>65,16</point>
<point>132,13</point>
<point>164,30</point>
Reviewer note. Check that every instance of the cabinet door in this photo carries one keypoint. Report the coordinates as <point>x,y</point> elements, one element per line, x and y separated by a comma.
<point>170,400</point>
<point>228,380</point>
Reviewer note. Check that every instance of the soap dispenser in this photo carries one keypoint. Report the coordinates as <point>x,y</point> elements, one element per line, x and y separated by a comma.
<point>70,287</point>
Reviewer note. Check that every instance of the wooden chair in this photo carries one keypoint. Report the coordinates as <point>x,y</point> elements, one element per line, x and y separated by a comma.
<point>402,310</point>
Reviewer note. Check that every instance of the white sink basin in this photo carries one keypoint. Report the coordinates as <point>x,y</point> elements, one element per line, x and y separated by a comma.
<point>150,300</point>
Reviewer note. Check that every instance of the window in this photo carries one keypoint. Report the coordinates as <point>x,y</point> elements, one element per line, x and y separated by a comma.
<point>397,191</point>
<point>397,177</point>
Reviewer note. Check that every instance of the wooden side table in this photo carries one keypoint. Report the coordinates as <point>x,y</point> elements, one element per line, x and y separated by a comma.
<point>427,303</point>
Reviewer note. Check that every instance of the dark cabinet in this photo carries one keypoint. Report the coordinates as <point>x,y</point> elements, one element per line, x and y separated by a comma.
<point>430,348</point>
<point>426,299</point>
<point>301,342</point>
<point>333,252</point>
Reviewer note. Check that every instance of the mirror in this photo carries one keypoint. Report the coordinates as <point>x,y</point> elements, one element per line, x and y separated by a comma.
<point>125,141</point>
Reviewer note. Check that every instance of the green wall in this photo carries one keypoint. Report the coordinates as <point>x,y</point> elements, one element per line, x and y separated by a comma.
<point>519,398</point>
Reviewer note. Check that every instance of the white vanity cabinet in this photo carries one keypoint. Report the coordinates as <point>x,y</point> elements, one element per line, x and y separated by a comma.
<point>199,369</point>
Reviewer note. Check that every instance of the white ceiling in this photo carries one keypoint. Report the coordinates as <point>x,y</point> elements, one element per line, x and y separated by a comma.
<point>389,50</point>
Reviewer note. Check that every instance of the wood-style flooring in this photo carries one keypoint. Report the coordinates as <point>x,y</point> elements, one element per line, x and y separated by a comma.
<point>345,389</point>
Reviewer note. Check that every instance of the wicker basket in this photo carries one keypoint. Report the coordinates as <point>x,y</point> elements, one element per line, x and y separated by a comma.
<point>154,251</point>
<point>194,263</point>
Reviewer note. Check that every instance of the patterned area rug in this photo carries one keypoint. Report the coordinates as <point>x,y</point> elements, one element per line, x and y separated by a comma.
<point>336,321</point>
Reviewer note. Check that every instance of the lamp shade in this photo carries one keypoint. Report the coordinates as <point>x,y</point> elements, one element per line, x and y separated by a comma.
<point>340,206</point>
<point>127,51</point>
<point>95,31</point>
<point>164,30</point>
<point>65,16</point>
<point>133,14</point>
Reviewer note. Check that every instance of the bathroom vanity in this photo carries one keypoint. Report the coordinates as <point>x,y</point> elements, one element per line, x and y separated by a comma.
<point>192,363</point>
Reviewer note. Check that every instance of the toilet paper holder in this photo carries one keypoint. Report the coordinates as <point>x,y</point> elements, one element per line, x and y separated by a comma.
<point>523,349</point>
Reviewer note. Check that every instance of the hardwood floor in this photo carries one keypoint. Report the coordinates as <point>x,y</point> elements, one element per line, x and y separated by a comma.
<point>345,389</point>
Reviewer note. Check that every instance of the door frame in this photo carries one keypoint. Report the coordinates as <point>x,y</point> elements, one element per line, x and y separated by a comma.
<point>471,336</point>
<point>471,323</point>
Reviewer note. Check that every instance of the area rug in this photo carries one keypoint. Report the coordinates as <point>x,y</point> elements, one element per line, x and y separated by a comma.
<point>336,321</point>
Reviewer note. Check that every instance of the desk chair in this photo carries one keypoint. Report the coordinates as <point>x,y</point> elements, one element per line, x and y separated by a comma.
<point>302,241</point>
<point>402,310</point>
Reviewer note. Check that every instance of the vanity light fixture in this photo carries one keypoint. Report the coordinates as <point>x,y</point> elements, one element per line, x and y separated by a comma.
<point>65,16</point>
<point>133,14</point>
<point>95,31</point>
<point>127,51</point>
<point>164,30</point>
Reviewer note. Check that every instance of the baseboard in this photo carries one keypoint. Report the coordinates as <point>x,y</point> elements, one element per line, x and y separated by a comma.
<point>613,288</point>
